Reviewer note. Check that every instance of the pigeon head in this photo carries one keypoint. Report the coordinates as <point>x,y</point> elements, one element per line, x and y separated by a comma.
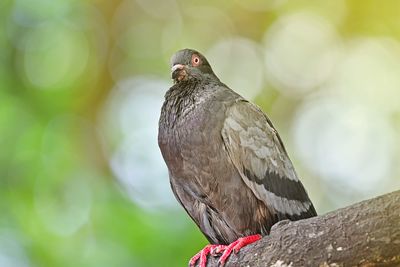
<point>187,64</point>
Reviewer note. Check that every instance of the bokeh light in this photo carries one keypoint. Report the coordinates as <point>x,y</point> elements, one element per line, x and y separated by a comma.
<point>62,192</point>
<point>129,124</point>
<point>203,26</point>
<point>60,51</point>
<point>235,59</point>
<point>12,254</point>
<point>370,73</point>
<point>300,51</point>
<point>82,180</point>
<point>345,143</point>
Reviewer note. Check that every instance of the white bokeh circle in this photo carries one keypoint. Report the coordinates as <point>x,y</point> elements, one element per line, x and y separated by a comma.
<point>343,142</point>
<point>370,73</point>
<point>238,63</point>
<point>301,50</point>
<point>129,126</point>
<point>54,55</point>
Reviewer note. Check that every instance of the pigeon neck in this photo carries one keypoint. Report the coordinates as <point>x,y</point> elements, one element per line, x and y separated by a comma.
<point>178,99</point>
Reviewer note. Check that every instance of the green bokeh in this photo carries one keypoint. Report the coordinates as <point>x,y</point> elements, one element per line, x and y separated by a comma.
<point>60,202</point>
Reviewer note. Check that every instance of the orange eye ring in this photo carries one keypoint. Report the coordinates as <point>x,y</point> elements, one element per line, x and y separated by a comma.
<point>196,60</point>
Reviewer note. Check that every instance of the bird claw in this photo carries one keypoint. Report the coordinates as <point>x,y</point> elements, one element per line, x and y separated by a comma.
<point>202,255</point>
<point>217,250</point>
<point>225,250</point>
<point>236,246</point>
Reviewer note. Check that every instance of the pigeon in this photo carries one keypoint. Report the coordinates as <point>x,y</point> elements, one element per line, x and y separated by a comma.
<point>227,165</point>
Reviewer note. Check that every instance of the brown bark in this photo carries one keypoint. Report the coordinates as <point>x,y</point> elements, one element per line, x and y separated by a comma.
<point>363,234</point>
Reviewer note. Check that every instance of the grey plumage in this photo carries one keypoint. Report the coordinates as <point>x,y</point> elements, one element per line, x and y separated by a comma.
<point>227,165</point>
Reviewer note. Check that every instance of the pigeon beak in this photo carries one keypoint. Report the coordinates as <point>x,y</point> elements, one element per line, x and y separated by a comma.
<point>178,72</point>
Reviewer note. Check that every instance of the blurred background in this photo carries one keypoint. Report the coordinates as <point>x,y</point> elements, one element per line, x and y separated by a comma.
<point>82,181</point>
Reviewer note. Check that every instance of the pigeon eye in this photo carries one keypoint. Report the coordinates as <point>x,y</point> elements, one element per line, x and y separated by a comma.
<point>195,61</point>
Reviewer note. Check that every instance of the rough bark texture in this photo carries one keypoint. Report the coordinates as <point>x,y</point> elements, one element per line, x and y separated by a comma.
<point>363,234</point>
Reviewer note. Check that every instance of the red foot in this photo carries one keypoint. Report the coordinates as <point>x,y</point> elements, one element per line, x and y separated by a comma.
<point>202,255</point>
<point>235,247</point>
<point>226,250</point>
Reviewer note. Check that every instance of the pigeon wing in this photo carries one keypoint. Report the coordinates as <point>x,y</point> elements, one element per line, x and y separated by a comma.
<point>258,154</point>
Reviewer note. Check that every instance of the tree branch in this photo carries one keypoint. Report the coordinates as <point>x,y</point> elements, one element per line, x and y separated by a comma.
<point>363,234</point>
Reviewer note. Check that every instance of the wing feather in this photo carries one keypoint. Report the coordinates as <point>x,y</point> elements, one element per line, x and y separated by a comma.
<point>258,154</point>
